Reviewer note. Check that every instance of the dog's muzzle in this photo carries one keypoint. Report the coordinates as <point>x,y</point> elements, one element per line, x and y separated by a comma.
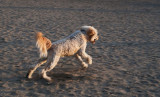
<point>95,40</point>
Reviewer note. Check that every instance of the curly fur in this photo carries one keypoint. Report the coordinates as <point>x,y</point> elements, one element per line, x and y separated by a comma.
<point>74,44</point>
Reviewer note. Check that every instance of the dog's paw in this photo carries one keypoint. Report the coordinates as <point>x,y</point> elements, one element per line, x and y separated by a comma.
<point>50,82</point>
<point>85,65</point>
<point>49,79</point>
<point>29,74</point>
<point>90,60</point>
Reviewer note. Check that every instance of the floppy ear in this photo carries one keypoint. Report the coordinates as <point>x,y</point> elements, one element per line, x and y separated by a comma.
<point>90,33</point>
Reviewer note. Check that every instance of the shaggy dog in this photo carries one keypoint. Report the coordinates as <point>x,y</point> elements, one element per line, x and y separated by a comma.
<point>74,44</point>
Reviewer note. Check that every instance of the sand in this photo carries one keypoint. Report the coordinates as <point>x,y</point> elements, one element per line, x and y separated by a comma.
<point>126,58</point>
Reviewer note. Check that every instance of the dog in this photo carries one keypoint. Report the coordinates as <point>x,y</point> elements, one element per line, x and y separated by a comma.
<point>74,44</point>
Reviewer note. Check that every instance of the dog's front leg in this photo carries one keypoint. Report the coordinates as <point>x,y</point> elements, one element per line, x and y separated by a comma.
<point>85,65</point>
<point>85,55</point>
<point>88,57</point>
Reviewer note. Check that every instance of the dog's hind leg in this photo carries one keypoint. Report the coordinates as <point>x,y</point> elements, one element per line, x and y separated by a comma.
<point>49,66</point>
<point>85,65</point>
<point>33,68</point>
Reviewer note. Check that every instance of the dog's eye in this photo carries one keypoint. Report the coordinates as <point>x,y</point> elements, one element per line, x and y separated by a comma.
<point>90,36</point>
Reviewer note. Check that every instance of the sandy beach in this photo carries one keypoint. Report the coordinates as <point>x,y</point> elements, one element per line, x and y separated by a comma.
<point>126,58</point>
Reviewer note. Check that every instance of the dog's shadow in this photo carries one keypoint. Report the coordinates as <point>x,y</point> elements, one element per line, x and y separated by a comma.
<point>65,75</point>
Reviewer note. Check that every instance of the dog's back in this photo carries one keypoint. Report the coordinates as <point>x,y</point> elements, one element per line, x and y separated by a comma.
<point>69,45</point>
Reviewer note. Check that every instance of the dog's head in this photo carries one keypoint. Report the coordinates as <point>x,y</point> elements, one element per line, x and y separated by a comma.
<point>91,32</point>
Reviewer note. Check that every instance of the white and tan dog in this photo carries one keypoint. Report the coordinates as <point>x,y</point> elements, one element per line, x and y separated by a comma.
<point>74,44</point>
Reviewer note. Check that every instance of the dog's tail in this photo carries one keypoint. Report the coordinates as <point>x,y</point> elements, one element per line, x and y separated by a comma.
<point>43,44</point>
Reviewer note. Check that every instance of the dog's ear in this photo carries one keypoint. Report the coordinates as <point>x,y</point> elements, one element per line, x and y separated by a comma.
<point>90,33</point>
